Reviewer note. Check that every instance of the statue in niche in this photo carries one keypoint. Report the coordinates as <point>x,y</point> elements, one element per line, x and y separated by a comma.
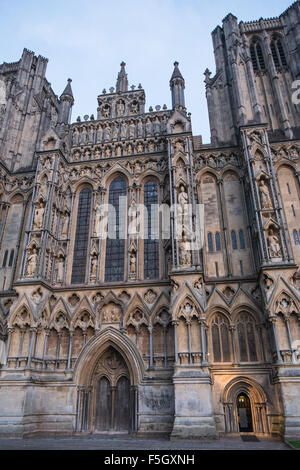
<point>151,147</point>
<point>107,152</point>
<point>115,131</point>
<point>119,151</point>
<point>129,149</point>
<point>120,108</point>
<point>123,130</point>
<point>140,129</point>
<point>106,110</point>
<point>60,269</point>
<point>182,207</point>
<point>148,127</point>
<point>273,245</point>
<point>91,134</point>
<point>131,130</point>
<point>65,225</point>
<point>83,136</point>
<point>264,195</point>
<point>156,126</point>
<point>134,108</point>
<point>94,264</point>
<point>107,133</point>
<point>97,219</point>
<point>185,252</point>
<point>31,262</point>
<point>99,133</point>
<point>75,137</point>
<point>132,263</point>
<point>38,216</point>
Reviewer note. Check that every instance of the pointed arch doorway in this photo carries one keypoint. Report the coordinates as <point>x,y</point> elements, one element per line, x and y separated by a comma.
<point>112,397</point>
<point>244,413</point>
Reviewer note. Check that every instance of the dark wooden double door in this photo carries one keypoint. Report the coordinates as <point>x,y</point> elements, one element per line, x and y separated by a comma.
<point>113,405</point>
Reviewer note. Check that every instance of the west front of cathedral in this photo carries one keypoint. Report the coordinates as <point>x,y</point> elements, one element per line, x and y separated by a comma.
<point>144,331</point>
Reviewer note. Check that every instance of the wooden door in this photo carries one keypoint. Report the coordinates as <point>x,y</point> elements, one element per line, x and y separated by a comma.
<point>122,405</point>
<point>103,406</point>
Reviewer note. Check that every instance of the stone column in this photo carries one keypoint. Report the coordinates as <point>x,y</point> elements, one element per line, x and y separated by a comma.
<point>47,333</point>
<point>232,329</point>
<point>33,333</point>
<point>175,324</point>
<point>150,328</point>
<point>71,333</point>
<point>10,331</point>
<point>203,341</point>
<point>272,320</point>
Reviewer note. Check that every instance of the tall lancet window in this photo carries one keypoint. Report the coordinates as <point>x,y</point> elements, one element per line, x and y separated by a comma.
<point>151,242</point>
<point>257,56</point>
<point>82,236</point>
<point>278,53</point>
<point>115,243</point>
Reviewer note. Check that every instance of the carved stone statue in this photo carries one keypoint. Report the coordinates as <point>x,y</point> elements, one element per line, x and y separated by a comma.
<point>38,216</point>
<point>273,245</point>
<point>94,264</point>
<point>140,129</point>
<point>182,208</point>
<point>264,195</point>
<point>120,108</point>
<point>115,134</point>
<point>132,263</point>
<point>65,225</point>
<point>60,269</point>
<point>99,133</point>
<point>31,262</point>
<point>75,137</point>
<point>123,130</point>
<point>148,127</point>
<point>97,219</point>
<point>131,130</point>
<point>107,133</point>
<point>185,252</point>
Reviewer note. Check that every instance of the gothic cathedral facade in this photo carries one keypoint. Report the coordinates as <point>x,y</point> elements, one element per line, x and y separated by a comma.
<point>154,335</point>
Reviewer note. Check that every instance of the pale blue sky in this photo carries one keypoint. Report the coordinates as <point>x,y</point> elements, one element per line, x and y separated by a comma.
<point>87,39</point>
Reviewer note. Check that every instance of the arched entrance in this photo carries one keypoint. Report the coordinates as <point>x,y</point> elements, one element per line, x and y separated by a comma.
<point>245,407</point>
<point>244,413</point>
<point>107,373</point>
<point>111,394</point>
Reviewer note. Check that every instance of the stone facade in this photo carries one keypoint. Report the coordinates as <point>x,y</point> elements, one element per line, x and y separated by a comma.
<point>144,335</point>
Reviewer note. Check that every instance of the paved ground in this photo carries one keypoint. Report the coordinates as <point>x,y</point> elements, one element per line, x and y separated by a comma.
<point>129,443</point>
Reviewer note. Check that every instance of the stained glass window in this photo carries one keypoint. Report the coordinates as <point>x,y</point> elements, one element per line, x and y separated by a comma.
<point>115,247</point>
<point>220,339</point>
<point>218,241</point>
<point>151,243</point>
<point>82,236</point>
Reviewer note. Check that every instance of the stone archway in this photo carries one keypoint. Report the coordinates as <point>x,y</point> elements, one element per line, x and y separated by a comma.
<point>111,400</point>
<point>107,373</point>
<point>256,408</point>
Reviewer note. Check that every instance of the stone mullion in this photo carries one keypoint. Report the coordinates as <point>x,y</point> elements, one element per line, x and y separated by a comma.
<point>175,324</point>
<point>261,238</point>
<point>10,331</point>
<point>32,337</point>
<point>57,349</point>
<point>260,337</point>
<point>150,329</point>
<point>273,319</point>
<point>22,330</point>
<point>71,333</point>
<point>232,329</point>
<point>203,341</point>
<point>188,326</point>
<point>47,333</point>
<point>224,225</point>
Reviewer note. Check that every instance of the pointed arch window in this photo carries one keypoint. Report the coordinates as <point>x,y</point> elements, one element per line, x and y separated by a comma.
<point>257,56</point>
<point>218,241</point>
<point>234,240</point>
<point>296,237</point>
<point>278,53</point>
<point>210,242</point>
<point>151,243</point>
<point>81,236</point>
<point>5,259</point>
<point>242,240</point>
<point>220,339</point>
<point>115,246</point>
<point>246,338</point>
